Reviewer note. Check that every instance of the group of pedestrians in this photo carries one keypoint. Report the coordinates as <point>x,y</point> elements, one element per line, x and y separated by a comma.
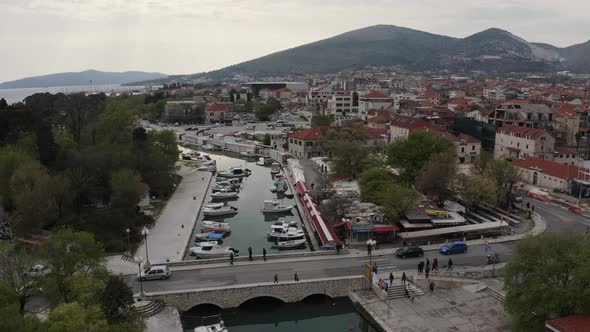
<point>426,268</point>
<point>276,277</point>
<point>231,255</point>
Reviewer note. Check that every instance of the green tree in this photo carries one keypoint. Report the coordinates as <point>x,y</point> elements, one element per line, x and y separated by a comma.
<point>11,319</point>
<point>72,317</point>
<point>548,278</point>
<point>11,159</point>
<point>80,110</point>
<point>478,190</point>
<point>68,253</point>
<point>15,268</point>
<point>397,200</point>
<point>321,120</point>
<point>124,185</point>
<point>116,298</point>
<point>3,104</point>
<point>346,145</point>
<point>412,153</point>
<point>31,186</point>
<point>436,176</point>
<point>115,124</point>
<point>505,175</point>
<point>373,182</point>
<point>482,161</point>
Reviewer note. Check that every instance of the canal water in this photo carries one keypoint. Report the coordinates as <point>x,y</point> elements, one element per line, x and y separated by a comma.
<point>249,226</point>
<point>270,315</point>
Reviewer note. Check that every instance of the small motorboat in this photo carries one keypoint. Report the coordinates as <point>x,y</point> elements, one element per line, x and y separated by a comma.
<point>208,147</point>
<point>208,237</point>
<point>211,324</point>
<point>226,193</point>
<point>272,206</point>
<point>219,187</point>
<point>221,211</point>
<point>214,205</point>
<point>291,233</point>
<point>212,225</point>
<point>214,251</point>
<point>206,160</point>
<point>292,244</point>
<point>273,189</point>
<point>260,161</point>
<point>205,243</point>
<point>208,168</point>
<point>223,232</point>
<point>279,226</point>
<point>275,168</point>
<point>281,186</point>
<point>248,154</point>
<point>235,172</point>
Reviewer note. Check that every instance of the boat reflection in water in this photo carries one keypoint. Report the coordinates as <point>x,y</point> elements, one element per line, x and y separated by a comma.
<point>267,314</point>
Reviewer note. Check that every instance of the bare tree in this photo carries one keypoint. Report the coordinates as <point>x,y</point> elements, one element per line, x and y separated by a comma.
<point>16,273</point>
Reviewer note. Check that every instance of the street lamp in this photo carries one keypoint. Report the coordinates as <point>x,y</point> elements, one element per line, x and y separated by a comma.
<point>139,260</point>
<point>128,240</point>
<point>370,246</point>
<point>145,232</point>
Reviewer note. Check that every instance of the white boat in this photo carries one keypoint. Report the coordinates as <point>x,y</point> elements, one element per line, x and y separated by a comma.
<point>214,205</point>
<point>281,186</point>
<point>272,206</point>
<point>291,233</point>
<point>273,189</point>
<point>201,244</point>
<point>260,161</point>
<point>207,168</point>
<point>206,160</point>
<point>222,211</point>
<point>247,154</point>
<point>275,168</point>
<point>208,147</point>
<point>279,226</point>
<point>235,172</point>
<point>289,244</point>
<point>213,251</point>
<point>225,194</point>
<point>211,324</point>
<point>221,187</point>
<point>215,225</point>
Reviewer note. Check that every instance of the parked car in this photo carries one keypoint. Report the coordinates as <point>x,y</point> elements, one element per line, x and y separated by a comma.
<point>161,272</point>
<point>454,247</point>
<point>409,251</point>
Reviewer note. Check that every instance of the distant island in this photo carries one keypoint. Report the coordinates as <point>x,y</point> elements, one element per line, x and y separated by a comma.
<point>81,78</point>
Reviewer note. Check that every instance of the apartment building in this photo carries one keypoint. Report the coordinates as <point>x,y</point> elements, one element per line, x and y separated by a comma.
<point>341,105</point>
<point>515,142</point>
<point>521,114</point>
<point>184,112</point>
<point>374,100</point>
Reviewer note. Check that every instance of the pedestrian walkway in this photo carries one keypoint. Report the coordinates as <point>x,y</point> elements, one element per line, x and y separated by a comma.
<point>169,236</point>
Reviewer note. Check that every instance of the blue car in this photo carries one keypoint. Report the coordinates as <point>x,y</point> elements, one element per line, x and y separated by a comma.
<point>453,248</point>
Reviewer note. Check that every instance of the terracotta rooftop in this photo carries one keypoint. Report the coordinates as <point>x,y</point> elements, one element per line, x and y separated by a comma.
<point>552,168</point>
<point>312,134</point>
<point>519,131</point>
<point>215,107</point>
<point>376,95</point>
<point>565,111</point>
<point>408,122</point>
<point>453,138</point>
<point>574,323</point>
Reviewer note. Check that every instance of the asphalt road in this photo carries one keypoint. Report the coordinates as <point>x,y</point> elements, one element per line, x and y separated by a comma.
<point>260,272</point>
<point>559,219</point>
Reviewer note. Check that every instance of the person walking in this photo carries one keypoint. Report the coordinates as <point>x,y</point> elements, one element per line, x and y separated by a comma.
<point>375,268</point>
<point>404,278</point>
<point>435,264</point>
<point>431,286</point>
<point>427,270</point>
<point>420,267</point>
<point>428,263</point>
<point>296,276</point>
<point>276,280</point>
<point>231,258</point>
<point>264,254</point>
<point>391,278</point>
<point>250,253</point>
<point>369,249</point>
<point>450,265</point>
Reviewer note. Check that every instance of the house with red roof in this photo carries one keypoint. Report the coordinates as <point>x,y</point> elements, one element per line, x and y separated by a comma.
<point>516,142</point>
<point>467,148</point>
<point>572,323</point>
<point>567,155</point>
<point>567,124</point>
<point>548,174</point>
<point>374,99</point>
<point>216,112</point>
<point>401,126</point>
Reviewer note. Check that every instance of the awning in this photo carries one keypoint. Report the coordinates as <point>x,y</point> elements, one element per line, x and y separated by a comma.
<point>386,229</point>
<point>324,230</point>
<point>301,186</point>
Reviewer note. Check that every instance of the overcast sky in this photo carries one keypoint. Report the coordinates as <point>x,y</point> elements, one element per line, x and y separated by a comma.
<point>187,36</point>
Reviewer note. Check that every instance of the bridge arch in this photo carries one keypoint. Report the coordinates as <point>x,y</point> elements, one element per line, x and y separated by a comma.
<point>262,298</point>
<point>317,297</point>
<point>206,309</point>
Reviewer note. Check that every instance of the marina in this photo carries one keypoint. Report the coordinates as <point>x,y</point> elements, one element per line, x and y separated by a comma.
<point>238,201</point>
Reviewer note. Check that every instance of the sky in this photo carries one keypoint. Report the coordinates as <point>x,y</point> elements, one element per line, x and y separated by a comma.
<point>40,37</point>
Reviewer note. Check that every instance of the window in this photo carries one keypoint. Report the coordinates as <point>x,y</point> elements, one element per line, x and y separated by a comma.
<point>291,140</point>
<point>527,146</point>
<point>308,143</point>
<point>473,148</point>
<point>462,149</point>
<point>299,142</point>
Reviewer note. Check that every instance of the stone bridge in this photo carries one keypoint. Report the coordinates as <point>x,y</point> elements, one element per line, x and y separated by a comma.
<point>233,296</point>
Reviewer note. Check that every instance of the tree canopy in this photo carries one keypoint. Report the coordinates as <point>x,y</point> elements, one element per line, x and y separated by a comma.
<point>321,120</point>
<point>412,153</point>
<point>549,278</point>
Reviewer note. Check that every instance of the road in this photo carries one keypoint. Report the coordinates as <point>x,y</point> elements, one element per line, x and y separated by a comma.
<point>559,219</point>
<point>259,272</point>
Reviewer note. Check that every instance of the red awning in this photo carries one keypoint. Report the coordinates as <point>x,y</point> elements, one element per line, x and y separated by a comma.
<point>301,186</point>
<point>324,230</point>
<point>386,229</point>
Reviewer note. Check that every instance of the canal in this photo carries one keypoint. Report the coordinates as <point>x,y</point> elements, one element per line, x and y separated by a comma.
<point>316,313</point>
<point>249,226</point>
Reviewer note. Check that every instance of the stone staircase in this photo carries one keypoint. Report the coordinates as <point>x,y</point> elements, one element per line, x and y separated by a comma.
<point>128,258</point>
<point>148,308</point>
<point>495,294</point>
<point>399,291</point>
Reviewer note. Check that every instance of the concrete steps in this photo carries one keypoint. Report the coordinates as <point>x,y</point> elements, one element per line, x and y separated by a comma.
<point>399,291</point>
<point>127,258</point>
<point>149,309</point>
<point>495,294</point>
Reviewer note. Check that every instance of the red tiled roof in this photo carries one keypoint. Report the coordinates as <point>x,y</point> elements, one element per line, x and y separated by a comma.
<point>215,107</point>
<point>454,138</point>
<point>312,134</point>
<point>519,131</point>
<point>377,111</point>
<point>565,111</point>
<point>376,95</point>
<point>381,118</point>
<point>552,168</point>
<point>409,122</point>
<point>376,133</point>
<point>566,149</point>
<point>574,323</point>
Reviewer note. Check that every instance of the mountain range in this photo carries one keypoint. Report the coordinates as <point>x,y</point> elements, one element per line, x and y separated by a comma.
<point>492,50</point>
<point>80,79</point>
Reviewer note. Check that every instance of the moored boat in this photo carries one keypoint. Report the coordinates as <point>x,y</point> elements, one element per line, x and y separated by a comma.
<point>211,324</point>
<point>275,168</point>
<point>291,233</point>
<point>212,225</point>
<point>214,251</point>
<point>272,206</point>
<point>235,172</point>
<point>260,161</point>
<point>221,211</point>
<point>226,193</point>
<point>291,244</point>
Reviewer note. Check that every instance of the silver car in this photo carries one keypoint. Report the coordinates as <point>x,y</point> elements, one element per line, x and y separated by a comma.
<point>156,272</point>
